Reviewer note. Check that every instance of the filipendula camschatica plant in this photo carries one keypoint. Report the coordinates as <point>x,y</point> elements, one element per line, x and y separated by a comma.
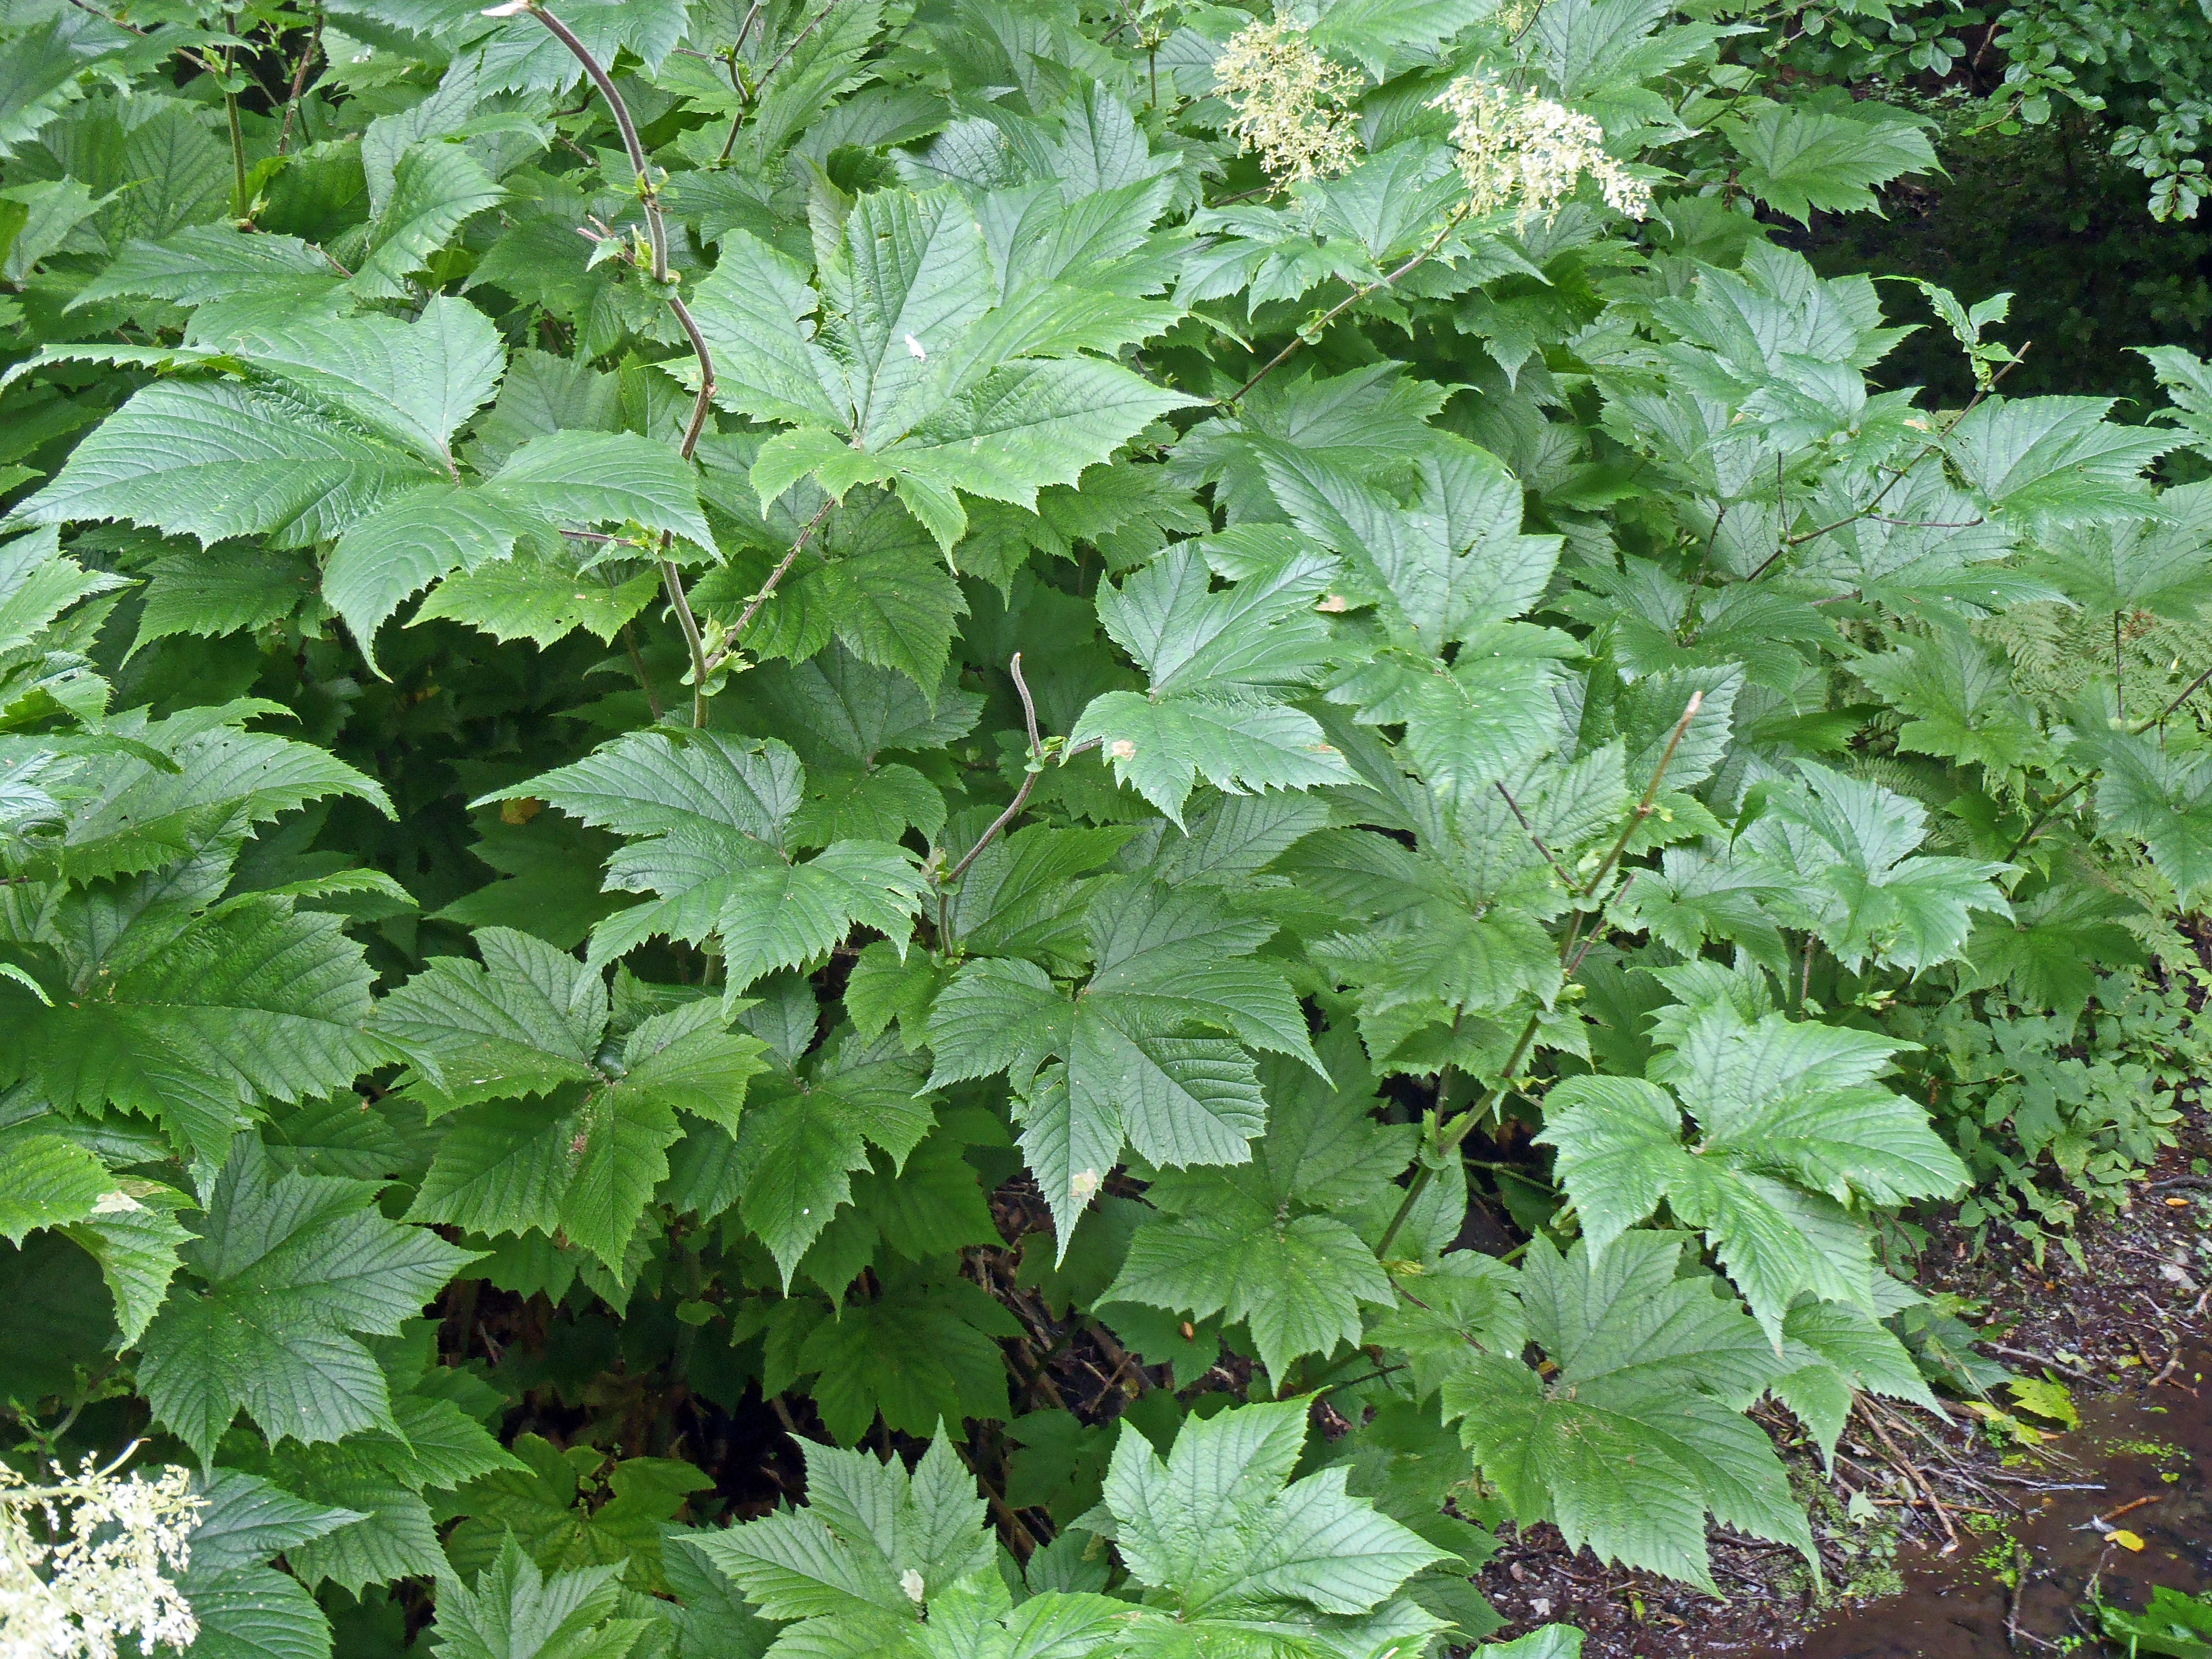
<point>730,732</point>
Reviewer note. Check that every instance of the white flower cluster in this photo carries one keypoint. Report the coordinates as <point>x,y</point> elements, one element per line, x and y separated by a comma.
<point>1516,148</point>
<point>1293,105</point>
<point>99,1568</point>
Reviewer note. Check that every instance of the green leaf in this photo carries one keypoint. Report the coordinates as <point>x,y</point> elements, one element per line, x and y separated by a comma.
<point>530,1023</point>
<point>1777,1101</point>
<point>1638,1434</point>
<point>920,1356</point>
<point>1220,666</point>
<point>2055,460</point>
<point>1844,849</point>
<point>807,1132</point>
<point>872,1548</point>
<point>1297,1282</point>
<point>1449,561</point>
<point>2160,797</point>
<point>514,1612</point>
<point>435,186</point>
<point>1796,160</point>
<point>291,1270</point>
<point>1219,1526</point>
<point>253,1000</point>
<point>1833,1350</point>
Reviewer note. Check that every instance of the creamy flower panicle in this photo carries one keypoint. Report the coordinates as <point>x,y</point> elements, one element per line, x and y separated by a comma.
<point>91,1560</point>
<point>1293,105</point>
<point>1520,149</point>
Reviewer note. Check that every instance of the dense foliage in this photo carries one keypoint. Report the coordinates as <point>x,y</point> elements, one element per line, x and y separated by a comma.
<point>721,722</point>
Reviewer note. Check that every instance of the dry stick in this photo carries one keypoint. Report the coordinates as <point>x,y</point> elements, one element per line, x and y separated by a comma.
<point>1912,1471</point>
<point>1447,1141</point>
<point>2020,1559</point>
<point>1305,335</point>
<point>656,230</point>
<point>2034,1358</point>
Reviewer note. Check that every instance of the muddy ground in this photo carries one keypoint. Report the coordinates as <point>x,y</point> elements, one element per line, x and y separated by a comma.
<point>1958,1509</point>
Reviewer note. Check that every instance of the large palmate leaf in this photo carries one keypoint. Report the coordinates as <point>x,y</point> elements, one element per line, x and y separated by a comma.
<point>904,366</point>
<point>1842,849</point>
<point>714,822</point>
<point>550,1131</point>
<point>1638,1433</point>
<point>1794,1135</point>
<point>1168,962</point>
<point>126,1224</point>
<point>1221,1526</point>
<point>255,1001</point>
<point>1798,160</point>
<point>1450,560</point>
<point>289,1271</point>
<point>872,1547</point>
<point>1223,666</point>
<point>809,1132</point>
<point>515,1612</point>
<point>2160,796</point>
<point>1274,1243</point>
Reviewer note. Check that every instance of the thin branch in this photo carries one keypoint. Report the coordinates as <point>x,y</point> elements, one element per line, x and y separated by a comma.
<point>797,41</point>
<point>2082,782</point>
<point>1530,829</point>
<point>656,229</point>
<point>300,81</point>
<point>952,878</point>
<point>637,667</point>
<point>1898,478</point>
<point>775,576</point>
<point>1306,335</point>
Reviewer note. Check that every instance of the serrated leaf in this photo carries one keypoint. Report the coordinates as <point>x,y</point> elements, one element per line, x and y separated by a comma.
<point>1638,1434</point>
<point>291,1270</point>
<point>1798,160</point>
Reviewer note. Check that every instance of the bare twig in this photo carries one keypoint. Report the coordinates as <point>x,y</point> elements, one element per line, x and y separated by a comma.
<point>1530,829</point>
<point>774,577</point>
<point>1898,478</point>
<point>952,878</point>
<point>299,81</point>
<point>1912,1470</point>
<point>2034,1358</point>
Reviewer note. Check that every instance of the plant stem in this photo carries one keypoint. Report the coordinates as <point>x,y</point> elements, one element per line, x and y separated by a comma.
<point>1449,1134</point>
<point>300,82</point>
<point>1305,335</point>
<point>656,231</point>
<point>230,109</point>
<point>1896,478</point>
<point>1021,798</point>
<point>768,588</point>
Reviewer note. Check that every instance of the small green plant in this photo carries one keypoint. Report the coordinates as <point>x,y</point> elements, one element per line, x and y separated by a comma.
<point>2055,1113</point>
<point>2173,1625</point>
